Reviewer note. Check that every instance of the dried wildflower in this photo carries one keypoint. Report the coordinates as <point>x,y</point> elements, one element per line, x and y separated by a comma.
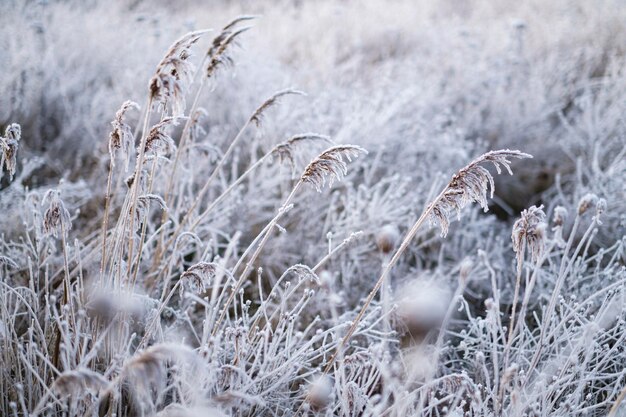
<point>587,201</point>
<point>387,238</point>
<point>257,116</point>
<point>121,136</point>
<point>56,217</point>
<point>529,231</point>
<point>198,277</point>
<point>158,141</point>
<point>78,381</point>
<point>9,144</point>
<point>330,165</point>
<point>470,185</point>
<point>167,86</point>
<point>285,150</point>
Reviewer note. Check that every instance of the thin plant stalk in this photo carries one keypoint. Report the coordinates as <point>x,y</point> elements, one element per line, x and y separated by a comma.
<point>557,288</point>
<point>383,277</point>
<point>282,210</point>
<point>135,186</point>
<point>105,220</point>
<point>181,147</point>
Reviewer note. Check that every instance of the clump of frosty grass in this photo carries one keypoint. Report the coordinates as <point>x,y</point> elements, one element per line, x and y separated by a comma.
<point>197,283</point>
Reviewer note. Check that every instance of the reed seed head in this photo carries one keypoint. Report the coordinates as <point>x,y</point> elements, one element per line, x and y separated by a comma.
<point>330,165</point>
<point>121,136</point>
<point>56,216</point>
<point>10,144</point>
<point>529,231</point>
<point>285,151</point>
<point>257,116</point>
<point>158,141</point>
<point>173,73</point>
<point>470,185</point>
<point>219,56</point>
<point>198,277</point>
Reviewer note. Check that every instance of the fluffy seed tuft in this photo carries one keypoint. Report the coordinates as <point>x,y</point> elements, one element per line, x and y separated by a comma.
<point>78,381</point>
<point>387,238</point>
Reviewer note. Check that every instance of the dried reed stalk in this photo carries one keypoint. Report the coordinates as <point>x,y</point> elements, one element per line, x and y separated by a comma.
<point>468,185</point>
<point>328,167</point>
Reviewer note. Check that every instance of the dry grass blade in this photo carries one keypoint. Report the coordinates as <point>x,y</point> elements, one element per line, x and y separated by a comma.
<point>330,165</point>
<point>143,204</point>
<point>327,167</point>
<point>616,405</point>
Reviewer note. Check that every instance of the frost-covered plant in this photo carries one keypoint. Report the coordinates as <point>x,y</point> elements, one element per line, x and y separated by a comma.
<point>211,280</point>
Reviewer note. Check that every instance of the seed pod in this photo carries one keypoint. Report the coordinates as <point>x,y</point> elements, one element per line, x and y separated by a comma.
<point>560,214</point>
<point>587,201</point>
<point>387,238</point>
